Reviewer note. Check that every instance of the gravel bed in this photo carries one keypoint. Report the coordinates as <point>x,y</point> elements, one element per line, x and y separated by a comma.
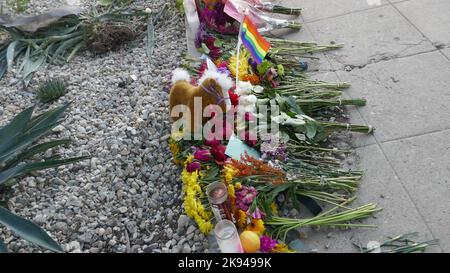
<point>127,198</point>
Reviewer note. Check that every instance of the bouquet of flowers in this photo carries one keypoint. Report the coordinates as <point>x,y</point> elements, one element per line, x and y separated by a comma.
<point>281,168</point>
<point>223,16</point>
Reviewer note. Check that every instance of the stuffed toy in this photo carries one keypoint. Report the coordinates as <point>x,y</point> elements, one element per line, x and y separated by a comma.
<point>212,88</point>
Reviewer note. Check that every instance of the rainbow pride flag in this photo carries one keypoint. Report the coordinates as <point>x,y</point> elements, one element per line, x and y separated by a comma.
<point>253,41</point>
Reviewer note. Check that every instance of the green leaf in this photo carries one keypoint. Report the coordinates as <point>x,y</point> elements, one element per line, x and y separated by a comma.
<point>263,67</point>
<point>279,189</point>
<point>7,175</point>
<point>11,53</point>
<point>311,130</point>
<point>16,126</point>
<point>218,43</point>
<point>3,62</point>
<point>294,106</point>
<point>47,118</point>
<point>3,248</point>
<point>9,148</point>
<point>150,37</point>
<point>36,166</point>
<point>40,148</point>
<point>28,230</point>
<point>105,3</point>
<point>205,49</point>
<point>31,65</point>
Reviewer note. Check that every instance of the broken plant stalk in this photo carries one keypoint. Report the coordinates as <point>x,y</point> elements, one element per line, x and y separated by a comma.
<point>283,225</point>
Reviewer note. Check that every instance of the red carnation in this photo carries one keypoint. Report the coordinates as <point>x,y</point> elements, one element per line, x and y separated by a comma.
<point>218,152</point>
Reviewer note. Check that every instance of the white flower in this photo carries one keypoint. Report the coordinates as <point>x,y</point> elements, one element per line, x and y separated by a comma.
<point>252,99</point>
<point>284,119</point>
<point>258,89</point>
<point>148,10</point>
<point>262,101</point>
<point>244,88</point>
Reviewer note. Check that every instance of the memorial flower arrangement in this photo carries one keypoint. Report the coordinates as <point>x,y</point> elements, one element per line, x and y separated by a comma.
<point>295,165</point>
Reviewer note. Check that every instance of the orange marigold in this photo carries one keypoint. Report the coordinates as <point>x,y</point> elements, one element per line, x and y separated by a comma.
<point>252,78</point>
<point>251,166</point>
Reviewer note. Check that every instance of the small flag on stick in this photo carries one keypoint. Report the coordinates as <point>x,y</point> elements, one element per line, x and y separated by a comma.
<point>253,41</point>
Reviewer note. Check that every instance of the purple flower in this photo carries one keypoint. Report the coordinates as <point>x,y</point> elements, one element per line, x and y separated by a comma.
<point>244,197</point>
<point>199,36</point>
<point>272,149</point>
<point>193,166</point>
<point>257,214</point>
<point>203,155</point>
<point>214,17</point>
<point>267,243</point>
<point>253,64</point>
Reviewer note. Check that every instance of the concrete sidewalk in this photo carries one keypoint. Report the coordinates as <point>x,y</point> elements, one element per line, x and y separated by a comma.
<point>397,56</point>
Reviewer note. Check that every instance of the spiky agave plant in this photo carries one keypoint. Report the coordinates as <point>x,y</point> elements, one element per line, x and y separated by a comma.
<point>51,90</point>
<point>56,37</point>
<point>20,154</point>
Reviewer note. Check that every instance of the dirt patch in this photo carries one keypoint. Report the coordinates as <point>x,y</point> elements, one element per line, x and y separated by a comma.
<point>110,37</point>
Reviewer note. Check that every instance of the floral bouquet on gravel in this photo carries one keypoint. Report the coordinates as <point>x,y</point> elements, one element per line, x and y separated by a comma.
<point>271,153</point>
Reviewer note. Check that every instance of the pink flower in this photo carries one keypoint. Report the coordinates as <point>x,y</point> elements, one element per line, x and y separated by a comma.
<point>245,196</point>
<point>218,152</point>
<point>257,214</point>
<point>203,155</point>
<point>267,243</point>
<point>212,141</point>
<point>193,166</point>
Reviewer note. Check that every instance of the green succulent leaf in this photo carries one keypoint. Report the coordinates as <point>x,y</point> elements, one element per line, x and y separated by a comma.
<point>16,126</point>
<point>3,248</point>
<point>23,169</point>
<point>37,149</point>
<point>28,230</point>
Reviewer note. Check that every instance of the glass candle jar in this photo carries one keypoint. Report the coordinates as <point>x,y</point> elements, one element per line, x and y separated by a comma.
<point>227,237</point>
<point>217,193</point>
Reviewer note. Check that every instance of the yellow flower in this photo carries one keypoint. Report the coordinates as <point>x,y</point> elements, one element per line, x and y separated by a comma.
<point>282,248</point>
<point>238,185</point>
<point>241,220</point>
<point>257,225</point>
<point>229,172</point>
<point>274,208</point>
<point>231,192</point>
<point>205,226</point>
<point>243,64</point>
<point>177,136</point>
<point>191,201</point>
<point>175,149</point>
<point>188,160</point>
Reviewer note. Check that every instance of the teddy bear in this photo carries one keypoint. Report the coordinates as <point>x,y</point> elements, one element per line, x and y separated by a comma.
<point>212,88</point>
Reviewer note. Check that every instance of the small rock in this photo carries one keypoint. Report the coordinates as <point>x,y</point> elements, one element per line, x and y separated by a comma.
<point>186,249</point>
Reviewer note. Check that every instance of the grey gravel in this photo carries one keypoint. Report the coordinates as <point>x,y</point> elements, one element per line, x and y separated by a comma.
<point>128,196</point>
